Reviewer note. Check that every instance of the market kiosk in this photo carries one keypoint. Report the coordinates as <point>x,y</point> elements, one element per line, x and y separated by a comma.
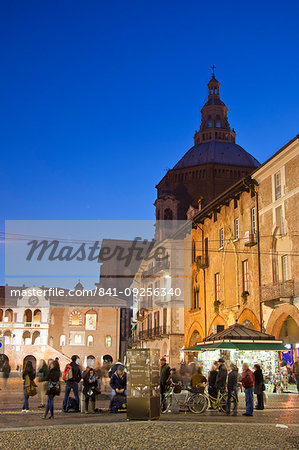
<point>239,344</point>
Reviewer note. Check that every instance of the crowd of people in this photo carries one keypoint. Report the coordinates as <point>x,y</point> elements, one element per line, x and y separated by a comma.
<point>48,377</point>
<point>223,377</point>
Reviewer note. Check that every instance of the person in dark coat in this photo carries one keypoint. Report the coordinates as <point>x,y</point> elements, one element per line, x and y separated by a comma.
<point>42,373</point>
<point>6,372</point>
<point>28,370</point>
<point>164,375</point>
<point>259,386</point>
<point>232,383</point>
<point>90,385</point>
<point>53,388</point>
<point>221,376</point>
<point>72,384</point>
<point>212,381</point>
<point>118,383</point>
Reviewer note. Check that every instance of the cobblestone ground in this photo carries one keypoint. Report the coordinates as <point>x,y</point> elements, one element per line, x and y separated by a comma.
<point>155,434</point>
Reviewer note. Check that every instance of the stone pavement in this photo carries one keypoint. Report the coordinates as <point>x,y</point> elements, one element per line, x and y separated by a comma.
<point>174,431</point>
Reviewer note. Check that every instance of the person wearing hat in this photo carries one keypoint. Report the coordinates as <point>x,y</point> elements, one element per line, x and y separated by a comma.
<point>221,376</point>
<point>164,375</point>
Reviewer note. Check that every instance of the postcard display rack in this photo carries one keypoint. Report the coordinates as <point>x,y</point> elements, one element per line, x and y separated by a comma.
<point>143,384</point>
<point>268,360</point>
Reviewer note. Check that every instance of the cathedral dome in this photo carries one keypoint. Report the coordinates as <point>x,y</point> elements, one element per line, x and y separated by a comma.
<point>217,152</point>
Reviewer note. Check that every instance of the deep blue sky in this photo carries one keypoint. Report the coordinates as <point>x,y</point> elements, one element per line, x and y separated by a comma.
<point>99,98</point>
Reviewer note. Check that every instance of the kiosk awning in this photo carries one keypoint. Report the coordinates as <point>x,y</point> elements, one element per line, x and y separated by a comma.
<point>259,346</point>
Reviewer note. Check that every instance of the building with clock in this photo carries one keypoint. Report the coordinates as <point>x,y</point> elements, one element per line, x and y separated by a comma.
<point>48,326</point>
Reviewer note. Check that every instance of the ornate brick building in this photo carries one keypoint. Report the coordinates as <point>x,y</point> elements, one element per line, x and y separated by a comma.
<point>211,166</point>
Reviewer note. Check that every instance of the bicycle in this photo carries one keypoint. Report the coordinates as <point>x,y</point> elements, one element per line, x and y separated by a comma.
<point>219,403</point>
<point>193,402</point>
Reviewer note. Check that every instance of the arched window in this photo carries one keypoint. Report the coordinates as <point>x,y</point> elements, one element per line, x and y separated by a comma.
<point>36,338</point>
<point>26,339</point>
<point>218,122</point>
<point>89,341</point>
<point>8,315</point>
<point>91,320</point>
<point>108,341</point>
<point>1,315</point>
<point>51,341</point>
<point>210,123</point>
<point>75,318</point>
<point>27,318</point>
<point>62,340</point>
<point>168,214</point>
<point>37,315</point>
<point>7,337</point>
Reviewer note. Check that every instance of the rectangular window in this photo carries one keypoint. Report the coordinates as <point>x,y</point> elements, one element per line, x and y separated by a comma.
<point>277,185</point>
<point>253,220</point>
<point>279,219</point>
<point>217,287</point>
<point>245,275</point>
<point>206,248</point>
<point>284,262</point>
<point>236,228</point>
<point>221,238</point>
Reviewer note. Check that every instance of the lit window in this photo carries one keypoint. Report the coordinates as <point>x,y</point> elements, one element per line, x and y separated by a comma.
<point>221,238</point>
<point>108,341</point>
<point>210,122</point>
<point>236,228</point>
<point>62,340</point>
<point>277,185</point>
<point>75,318</point>
<point>218,122</point>
<point>78,339</point>
<point>217,287</point>
<point>285,269</point>
<point>91,320</point>
<point>245,275</point>
<point>89,341</point>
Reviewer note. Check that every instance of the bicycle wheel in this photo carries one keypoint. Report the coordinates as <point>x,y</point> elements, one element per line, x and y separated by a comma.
<point>222,403</point>
<point>197,403</point>
<point>166,404</point>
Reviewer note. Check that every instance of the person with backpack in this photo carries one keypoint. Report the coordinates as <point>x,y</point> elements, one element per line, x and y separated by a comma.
<point>72,376</point>
<point>28,377</point>
<point>53,387</point>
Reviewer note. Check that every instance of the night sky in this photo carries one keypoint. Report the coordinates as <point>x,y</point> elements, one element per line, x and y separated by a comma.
<point>99,99</point>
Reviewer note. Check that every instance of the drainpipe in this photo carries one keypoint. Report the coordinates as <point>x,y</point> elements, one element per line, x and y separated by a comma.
<point>259,261</point>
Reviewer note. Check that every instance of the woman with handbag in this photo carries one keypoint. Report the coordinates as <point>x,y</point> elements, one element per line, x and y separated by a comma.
<point>29,387</point>
<point>53,387</point>
<point>90,386</point>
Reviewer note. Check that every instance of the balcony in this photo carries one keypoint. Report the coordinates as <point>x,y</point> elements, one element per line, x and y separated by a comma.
<point>276,294</point>
<point>162,265</point>
<point>202,262</point>
<point>250,239</point>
